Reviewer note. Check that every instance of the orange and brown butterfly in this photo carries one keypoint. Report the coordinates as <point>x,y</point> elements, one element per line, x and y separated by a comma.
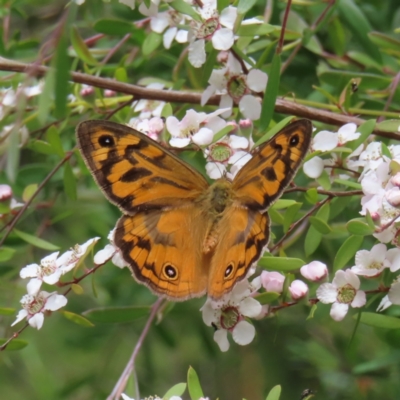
<point>181,236</point>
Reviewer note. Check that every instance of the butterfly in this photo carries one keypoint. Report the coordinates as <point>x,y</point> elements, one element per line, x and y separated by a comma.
<point>181,236</point>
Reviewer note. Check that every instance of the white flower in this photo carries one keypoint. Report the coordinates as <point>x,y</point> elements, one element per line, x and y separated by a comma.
<point>110,252</point>
<point>371,263</point>
<point>384,304</point>
<point>326,140</point>
<point>34,306</point>
<point>152,127</point>
<point>314,167</point>
<point>342,292</point>
<point>272,281</point>
<point>149,108</point>
<point>315,271</point>
<point>298,289</point>
<point>229,314</point>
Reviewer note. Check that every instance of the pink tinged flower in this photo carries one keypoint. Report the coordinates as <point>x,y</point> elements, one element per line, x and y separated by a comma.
<point>393,258</point>
<point>5,193</point>
<point>298,289</point>
<point>394,293</point>
<point>315,271</point>
<point>371,263</point>
<point>395,180</point>
<point>314,167</point>
<point>272,281</point>
<point>34,306</point>
<point>342,292</point>
<point>393,196</point>
<point>250,107</point>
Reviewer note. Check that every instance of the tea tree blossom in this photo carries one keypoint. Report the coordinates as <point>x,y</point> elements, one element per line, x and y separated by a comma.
<point>34,307</point>
<point>342,292</point>
<point>272,281</point>
<point>298,289</point>
<point>110,252</point>
<point>229,314</point>
<point>371,263</point>
<point>326,140</point>
<point>315,271</point>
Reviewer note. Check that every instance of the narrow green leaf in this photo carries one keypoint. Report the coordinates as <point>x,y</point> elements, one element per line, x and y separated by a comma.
<point>39,146</point>
<point>323,212</point>
<point>245,5</point>
<point>7,311</point>
<point>121,75</point>
<point>312,312</point>
<point>267,297</point>
<point>359,226</point>
<point>379,320</point>
<point>15,344</point>
<point>195,390</point>
<point>29,191</point>
<point>255,30</point>
<point>351,184</point>
<point>366,130</point>
<point>53,137</point>
<point>359,25</point>
<point>271,93</point>
<point>35,241</point>
<point>275,393</point>
<point>185,8</point>
<point>312,241</point>
<point>45,98</point>
<point>290,215</point>
<point>69,182</point>
<point>77,319</point>
<point>176,390</point>
<point>389,125</point>
<point>284,203</point>
<point>280,263</point>
<point>369,220</point>
<point>276,217</point>
<point>116,314</point>
<point>80,48</point>
<point>6,253</point>
<point>62,68</point>
<point>77,289</point>
<point>347,251</point>
<point>152,41</point>
<point>117,27</point>
<point>320,225</point>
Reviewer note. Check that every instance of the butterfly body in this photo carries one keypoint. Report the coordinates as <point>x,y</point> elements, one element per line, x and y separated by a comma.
<point>179,235</point>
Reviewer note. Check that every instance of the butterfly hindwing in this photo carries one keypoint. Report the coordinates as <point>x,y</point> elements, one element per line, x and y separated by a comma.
<point>135,172</point>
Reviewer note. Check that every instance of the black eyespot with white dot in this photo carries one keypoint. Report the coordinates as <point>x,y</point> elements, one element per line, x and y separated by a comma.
<point>106,141</point>
<point>294,140</point>
<point>229,270</point>
<point>170,272</point>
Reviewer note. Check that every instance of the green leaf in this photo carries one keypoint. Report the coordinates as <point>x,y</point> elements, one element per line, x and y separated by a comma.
<point>69,182</point>
<point>151,42</point>
<point>271,92</point>
<point>280,263</point>
<point>312,196</point>
<point>275,393</point>
<point>379,320</point>
<point>359,226</point>
<point>116,314</point>
<point>255,30</point>
<point>117,27</point>
<point>29,191</point>
<point>185,8</point>
<point>53,137</point>
<point>77,289</point>
<point>347,251</point>
<point>267,297</point>
<point>312,241</point>
<point>15,344</point>
<point>351,184</point>
<point>366,130</point>
<point>195,390</point>
<point>389,125</point>
<point>320,225</point>
<point>81,49</point>
<point>276,217</point>
<point>39,146</point>
<point>7,311</point>
<point>290,215</point>
<point>359,25</point>
<point>35,241</point>
<point>77,319</point>
<point>167,110</point>
<point>245,5</point>
<point>6,253</point>
<point>62,75</point>
<point>176,390</point>
<point>323,212</point>
<point>121,75</point>
<point>284,203</point>
<point>45,98</point>
<point>312,312</point>
<point>369,220</point>
<point>324,180</point>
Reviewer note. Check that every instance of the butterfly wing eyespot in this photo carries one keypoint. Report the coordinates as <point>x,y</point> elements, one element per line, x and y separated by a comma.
<point>106,141</point>
<point>229,270</point>
<point>170,272</point>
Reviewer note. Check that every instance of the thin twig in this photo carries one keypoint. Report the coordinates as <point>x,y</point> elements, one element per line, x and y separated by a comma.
<point>283,29</point>
<point>121,384</point>
<point>393,89</point>
<point>326,192</point>
<point>38,190</point>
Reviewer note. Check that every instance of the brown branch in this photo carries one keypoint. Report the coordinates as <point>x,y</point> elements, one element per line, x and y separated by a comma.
<point>283,29</point>
<point>282,106</point>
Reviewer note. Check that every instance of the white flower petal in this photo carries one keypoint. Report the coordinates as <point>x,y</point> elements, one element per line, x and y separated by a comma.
<point>327,293</point>
<point>394,293</point>
<point>250,307</point>
<point>314,167</point>
<point>182,36</point>
<point>243,333</point>
<point>238,142</point>
<point>226,102</point>
<point>250,107</point>
<point>208,313</point>
<point>118,260</point>
<point>36,321</point>
<point>215,170</point>
<point>159,22</point>
<point>257,80</point>
<point>197,53</point>
<point>55,301</point>
<point>359,300</point>
<point>207,94</point>
<point>203,137</point>
<point>29,271</point>
<point>221,337</point>
<point>20,316</point>
<point>222,39</point>
<point>179,142</point>
<point>325,141</point>
<point>169,36</point>
<point>339,311</point>
<point>228,17</point>
<point>33,286</point>
<point>102,256</point>
<point>384,304</point>
<point>53,278</point>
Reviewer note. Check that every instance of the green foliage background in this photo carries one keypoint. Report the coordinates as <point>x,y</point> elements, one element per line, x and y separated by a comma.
<point>68,361</point>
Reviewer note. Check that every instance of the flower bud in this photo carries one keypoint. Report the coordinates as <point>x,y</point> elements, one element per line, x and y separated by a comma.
<point>298,289</point>
<point>315,271</point>
<point>272,281</point>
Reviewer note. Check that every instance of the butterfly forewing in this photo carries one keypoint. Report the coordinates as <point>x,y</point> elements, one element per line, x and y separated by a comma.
<point>274,163</point>
<point>135,172</point>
